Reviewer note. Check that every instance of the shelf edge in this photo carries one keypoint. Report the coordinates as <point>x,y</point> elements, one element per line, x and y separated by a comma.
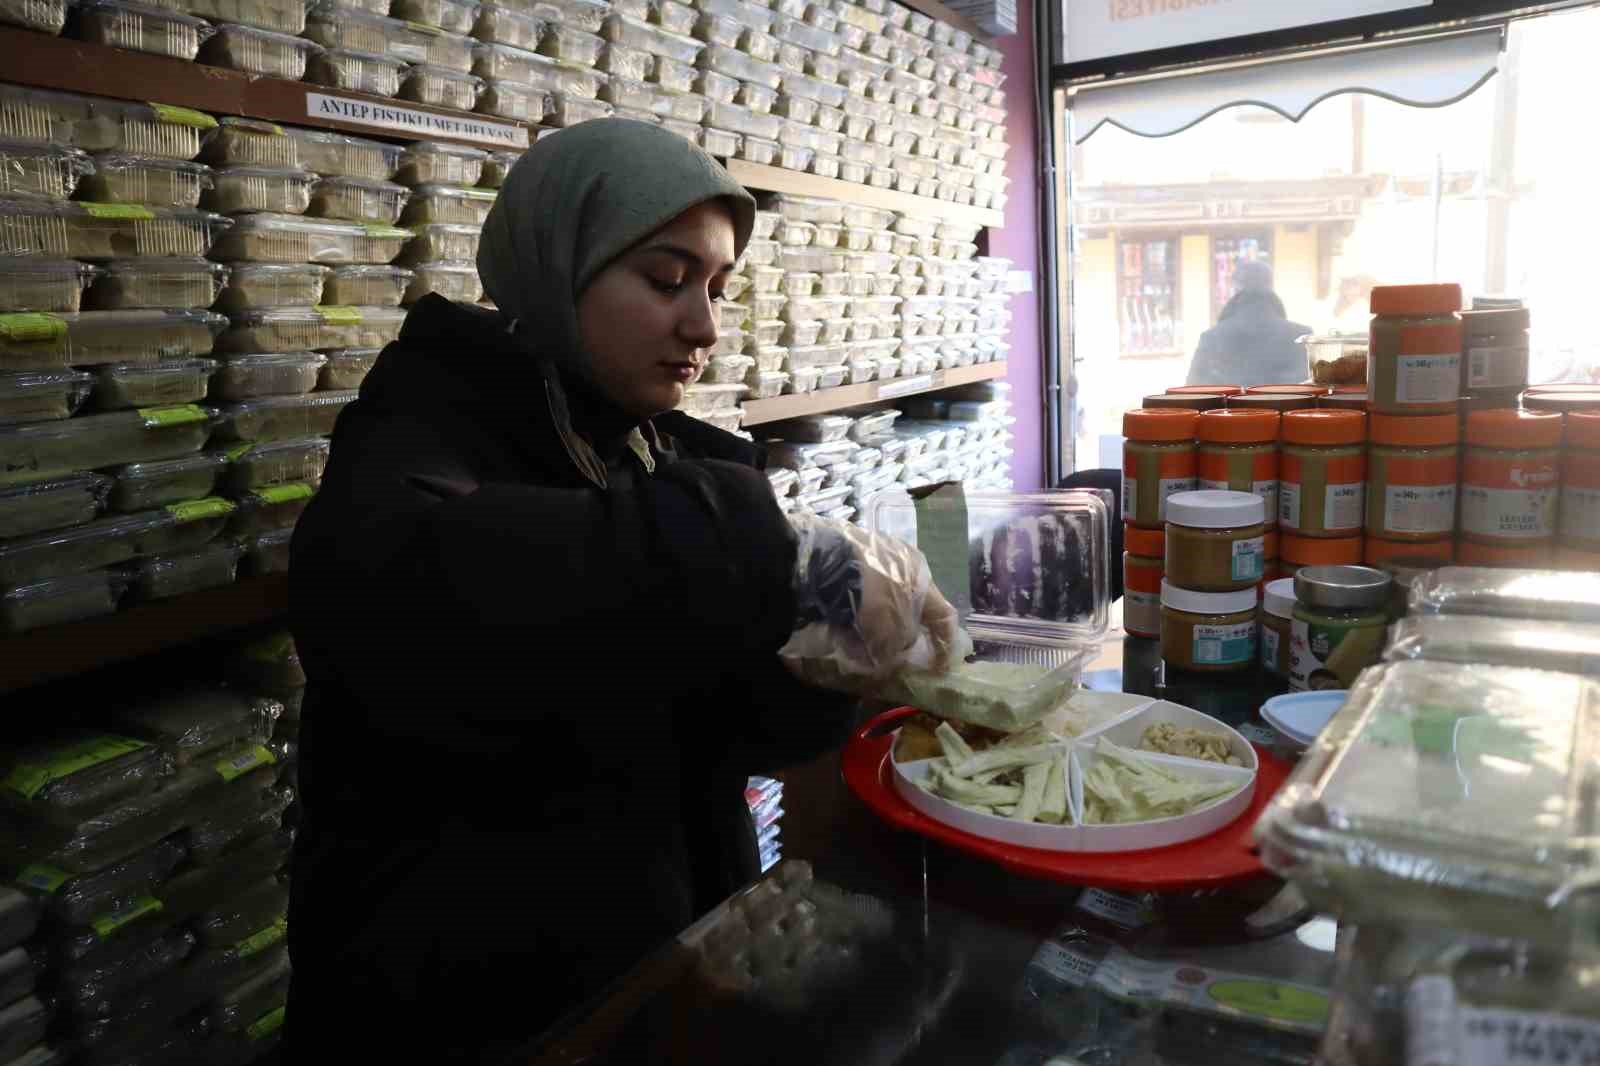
<point>758,412</point>
<point>776,179</point>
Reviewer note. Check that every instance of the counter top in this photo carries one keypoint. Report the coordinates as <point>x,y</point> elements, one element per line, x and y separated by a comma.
<point>932,957</point>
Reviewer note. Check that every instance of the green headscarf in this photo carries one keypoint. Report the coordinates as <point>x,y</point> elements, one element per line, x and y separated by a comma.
<point>578,199</point>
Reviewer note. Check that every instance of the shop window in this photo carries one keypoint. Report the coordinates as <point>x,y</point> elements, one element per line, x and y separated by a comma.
<point>1147,297</point>
<point>1227,253</point>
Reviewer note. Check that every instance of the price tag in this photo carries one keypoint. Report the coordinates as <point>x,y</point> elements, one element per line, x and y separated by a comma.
<point>242,763</point>
<point>176,415</point>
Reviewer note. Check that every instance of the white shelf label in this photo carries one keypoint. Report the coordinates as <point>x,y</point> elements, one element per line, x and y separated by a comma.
<point>420,123</point>
<point>905,387</point>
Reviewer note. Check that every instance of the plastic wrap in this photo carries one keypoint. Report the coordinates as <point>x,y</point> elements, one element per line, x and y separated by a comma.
<point>1566,646</point>
<point>447,203</point>
<point>334,25</point>
<point>84,338</point>
<point>270,508</point>
<point>276,462</point>
<point>210,837</point>
<point>507,99</point>
<point>78,899</point>
<point>256,908</point>
<point>141,28</point>
<point>32,507</point>
<point>126,284</point>
<point>128,986</point>
<point>735,64</point>
<point>505,25</point>
<point>428,162</point>
<point>200,887</point>
<point>161,576</point>
<point>45,16</point>
<point>457,16</point>
<point>77,774</point>
<point>282,417</point>
<point>125,385</point>
<point>142,486</point>
<point>365,72</point>
<point>441,87</point>
<point>288,239</point>
<point>335,155</point>
<point>1493,763</point>
<point>346,368</point>
<point>237,1008</point>
<point>498,166</point>
<point>260,51</point>
<point>41,396</point>
<point>41,170</point>
<point>104,231</point>
<point>58,600</point>
<point>571,46</point>
<point>371,286</point>
<point>36,284</point>
<point>256,286</point>
<point>32,452</point>
<point>19,973</point>
<point>1554,595</point>
<point>22,1025</point>
<point>96,124</point>
<point>268,553</point>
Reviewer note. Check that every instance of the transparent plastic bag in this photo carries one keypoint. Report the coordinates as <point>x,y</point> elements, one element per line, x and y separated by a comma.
<point>77,899</point>
<point>197,722</point>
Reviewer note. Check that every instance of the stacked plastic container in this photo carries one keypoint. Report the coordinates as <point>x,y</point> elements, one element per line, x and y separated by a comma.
<point>834,465</point>
<point>764,795</point>
<point>151,848</point>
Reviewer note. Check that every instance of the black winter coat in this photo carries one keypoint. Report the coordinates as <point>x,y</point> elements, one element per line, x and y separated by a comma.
<point>536,688</point>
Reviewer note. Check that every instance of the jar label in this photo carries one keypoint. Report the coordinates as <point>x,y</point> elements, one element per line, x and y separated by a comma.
<point>1344,505</point>
<point>1168,486</point>
<point>1329,654</point>
<point>1419,508</point>
<point>1269,648</point>
<point>1225,645</point>
<point>1496,368</point>
<point>1428,378</point>
<point>1267,490</point>
<point>1443,1031</point>
<point>1141,612</point>
<point>1580,513</point>
<point>1515,513</point>
<point>1249,559</point>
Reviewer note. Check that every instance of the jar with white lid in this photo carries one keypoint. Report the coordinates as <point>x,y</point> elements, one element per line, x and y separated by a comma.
<point>1277,621</point>
<point>1209,632</point>
<point>1215,540</point>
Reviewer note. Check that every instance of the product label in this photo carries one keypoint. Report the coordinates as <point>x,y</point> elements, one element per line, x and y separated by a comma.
<point>119,211</point>
<point>195,510</point>
<point>1225,645</point>
<point>1130,497</point>
<point>1279,1004</point>
<point>30,328</point>
<point>1428,378</point>
<point>1249,559</point>
<point>26,779</point>
<point>182,116</point>
<point>273,494</point>
<point>107,924</point>
<point>244,762</point>
<point>336,315</point>
<point>379,229</point>
<point>1496,368</point>
<point>1344,505</point>
<point>1512,513</point>
<point>1580,513</point>
<point>1269,647</point>
<point>1326,655</point>
<point>1121,909</point>
<point>1168,486</point>
<point>43,878</point>
<point>234,453</point>
<point>1440,1031</point>
<point>1419,508</point>
<point>1289,505</point>
<point>1141,612</point>
<point>267,1024</point>
<point>259,941</point>
<point>177,415</point>
<point>1064,964</point>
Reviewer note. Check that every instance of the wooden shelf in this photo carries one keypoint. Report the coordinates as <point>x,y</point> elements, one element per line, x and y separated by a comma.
<point>47,62</point>
<point>823,400</point>
<point>776,179</point>
<point>59,651</point>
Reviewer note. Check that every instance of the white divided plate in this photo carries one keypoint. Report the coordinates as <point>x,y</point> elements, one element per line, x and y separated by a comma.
<point>1126,730</point>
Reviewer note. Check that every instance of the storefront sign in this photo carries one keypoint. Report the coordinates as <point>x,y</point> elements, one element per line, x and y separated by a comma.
<point>417,123</point>
<point>1096,29</point>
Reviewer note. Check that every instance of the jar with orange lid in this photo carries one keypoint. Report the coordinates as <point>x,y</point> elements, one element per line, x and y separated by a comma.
<point>1312,391</point>
<point>1562,399</point>
<point>1158,459</point>
<point>1490,400</point>
<point>1143,566</point>
<point>1432,553</point>
<point>1205,390</point>
<point>1323,473</point>
<point>1414,349</point>
<point>1413,465</point>
<point>1578,525</point>
<point>1295,552</point>
<point>1188,401</point>
<point>1510,481</point>
<point>1516,557</point>
<point>1345,401</point>
<point>1238,452</point>
<point>1281,403</point>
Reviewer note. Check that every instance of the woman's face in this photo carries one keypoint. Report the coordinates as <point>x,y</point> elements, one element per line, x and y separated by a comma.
<point>647,319</point>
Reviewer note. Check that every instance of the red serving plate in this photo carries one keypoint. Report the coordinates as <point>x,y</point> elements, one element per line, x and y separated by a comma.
<point>1224,857</point>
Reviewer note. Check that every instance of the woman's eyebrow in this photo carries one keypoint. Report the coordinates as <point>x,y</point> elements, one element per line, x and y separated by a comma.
<point>678,251</point>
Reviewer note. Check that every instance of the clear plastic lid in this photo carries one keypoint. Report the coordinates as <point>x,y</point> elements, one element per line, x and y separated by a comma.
<point>280,417</point>
<point>105,231</point>
<point>288,238</point>
<point>48,170</point>
<point>38,341</point>
<point>1445,793</point>
<point>1566,646</point>
<point>1556,595</point>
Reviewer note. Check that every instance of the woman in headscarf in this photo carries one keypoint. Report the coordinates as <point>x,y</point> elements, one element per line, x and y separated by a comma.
<point>539,610</point>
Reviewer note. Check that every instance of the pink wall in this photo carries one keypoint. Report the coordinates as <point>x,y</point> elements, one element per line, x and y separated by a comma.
<point>1019,242</point>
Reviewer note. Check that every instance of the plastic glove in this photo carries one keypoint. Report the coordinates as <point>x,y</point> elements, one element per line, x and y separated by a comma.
<point>867,607</point>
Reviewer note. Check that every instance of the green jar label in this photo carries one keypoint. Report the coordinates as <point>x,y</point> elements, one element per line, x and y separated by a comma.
<point>1328,653</point>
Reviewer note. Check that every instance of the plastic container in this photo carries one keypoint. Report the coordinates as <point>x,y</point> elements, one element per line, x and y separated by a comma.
<point>1159,460</point>
<point>338,156</point>
<point>1495,348</point>
<point>359,200</point>
<point>454,281</point>
<point>1510,479</point>
<point>148,180</point>
<point>1238,452</point>
<point>435,162</point>
<point>48,171</point>
<point>585,15</point>
<point>276,462</point>
<point>40,396</point>
<point>568,110</point>
<point>88,338</point>
<point>757,98</point>
<point>267,554</point>
<point>274,507</point>
<point>498,166</point>
<point>1208,632</point>
<point>370,286</point>
<point>95,124</point>
<point>497,24</point>
<point>572,46</point>
<point>143,486</point>
<point>163,576</point>
<point>36,284</point>
<point>283,190</point>
<point>1143,566</point>
<point>735,64</point>
<point>43,16</point>
<point>442,242</point>
<point>1215,540</point>
<point>244,377</point>
<point>282,417</point>
<point>701,400</point>
<point>446,203</point>
<point>1414,358</point>
<point>124,385</point>
<point>346,368</point>
<point>287,239</point>
<point>365,72</point>
<point>441,87</point>
<point>140,28</point>
<point>51,503</point>
<point>334,25</point>
<point>1324,469</point>
<point>96,544</point>
<point>105,231</point>
<point>257,286</point>
<point>129,284</point>
<point>260,50</point>
<point>1414,464</point>
<point>457,16</point>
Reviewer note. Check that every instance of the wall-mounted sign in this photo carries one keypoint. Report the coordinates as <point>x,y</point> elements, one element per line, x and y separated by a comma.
<point>1096,29</point>
<point>485,131</point>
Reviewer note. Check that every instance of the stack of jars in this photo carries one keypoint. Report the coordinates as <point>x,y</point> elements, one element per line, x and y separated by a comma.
<point>1158,460</point>
<point>1215,559</point>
